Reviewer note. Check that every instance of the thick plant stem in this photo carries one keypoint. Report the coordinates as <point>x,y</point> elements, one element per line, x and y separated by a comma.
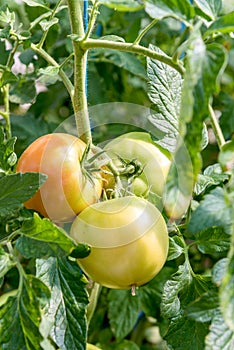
<point>79,98</point>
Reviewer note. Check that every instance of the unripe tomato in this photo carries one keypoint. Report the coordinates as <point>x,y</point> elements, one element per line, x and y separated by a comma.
<point>67,190</point>
<point>128,238</point>
<point>155,164</point>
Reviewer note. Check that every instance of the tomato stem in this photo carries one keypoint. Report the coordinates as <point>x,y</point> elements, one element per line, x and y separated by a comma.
<point>133,290</point>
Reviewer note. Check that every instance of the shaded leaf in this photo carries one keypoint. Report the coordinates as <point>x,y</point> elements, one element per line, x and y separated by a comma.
<point>20,316</point>
<point>164,91</point>
<point>7,156</point>
<point>36,3</point>
<point>6,263</point>
<point>15,189</point>
<point>45,25</point>
<point>211,176</point>
<point>176,247</point>
<point>210,8</point>
<point>150,294</point>
<point>67,310</point>
<point>170,304</point>
<point>219,270</point>
<point>22,91</point>
<point>122,322</point>
<point>213,241</point>
<point>204,308</point>
<point>225,24</point>
<point>42,238</point>
<point>7,78</point>
<point>214,210</point>
<point>175,8</point>
<point>227,291</point>
<point>123,5</point>
<point>184,333</point>
<point>220,336</point>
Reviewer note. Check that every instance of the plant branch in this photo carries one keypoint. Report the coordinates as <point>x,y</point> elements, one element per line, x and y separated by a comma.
<point>216,128</point>
<point>92,19</point>
<point>136,49</point>
<point>79,98</point>
<point>144,31</point>
<point>51,61</point>
<point>44,35</point>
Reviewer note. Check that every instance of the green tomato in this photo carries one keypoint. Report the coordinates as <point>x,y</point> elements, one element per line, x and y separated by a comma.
<point>128,239</point>
<point>155,164</point>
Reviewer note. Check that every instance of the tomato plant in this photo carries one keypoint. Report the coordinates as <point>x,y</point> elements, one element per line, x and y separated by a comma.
<point>128,239</point>
<point>111,73</point>
<point>67,190</point>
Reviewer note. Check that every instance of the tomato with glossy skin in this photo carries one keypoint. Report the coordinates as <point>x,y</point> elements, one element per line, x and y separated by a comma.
<point>155,164</point>
<point>67,190</point>
<point>128,239</point>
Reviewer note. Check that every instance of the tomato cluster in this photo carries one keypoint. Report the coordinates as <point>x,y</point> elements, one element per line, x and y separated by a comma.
<point>127,235</point>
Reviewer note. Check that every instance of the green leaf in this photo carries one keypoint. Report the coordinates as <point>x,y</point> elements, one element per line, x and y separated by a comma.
<point>224,24</point>
<point>226,155</point>
<point>227,291</point>
<point>7,78</point>
<point>213,241</point>
<point>7,156</point>
<point>20,316</point>
<point>204,65</point>
<point>204,308</point>
<point>214,210</point>
<point>170,304</point>
<point>211,176</point>
<point>181,10</point>
<point>210,8</point>
<point>6,263</point>
<point>220,336</point>
<point>123,5</point>
<point>67,309</point>
<point>164,91</point>
<point>218,271</point>
<point>49,75</point>
<point>150,294</point>
<point>179,184</point>
<point>122,322</point>
<point>36,3</point>
<point>7,16</point>
<point>184,333</point>
<point>42,238</point>
<point>45,25</point>
<point>22,91</point>
<point>124,60</point>
<point>5,32</point>
<point>227,117</point>
<point>15,189</point>
<point>176,247</point>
